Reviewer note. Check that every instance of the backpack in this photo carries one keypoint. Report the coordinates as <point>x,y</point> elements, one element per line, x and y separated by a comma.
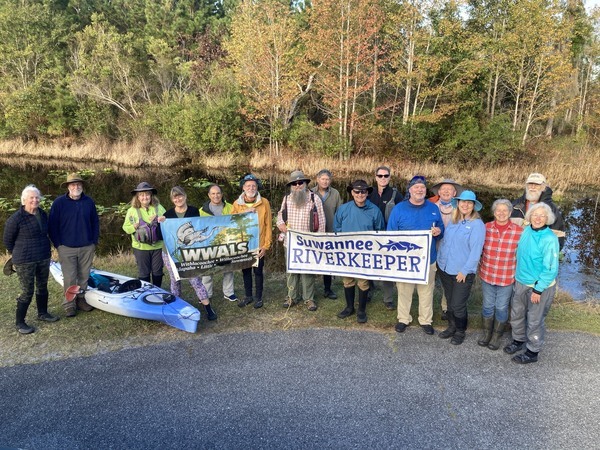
<point>147,233</point>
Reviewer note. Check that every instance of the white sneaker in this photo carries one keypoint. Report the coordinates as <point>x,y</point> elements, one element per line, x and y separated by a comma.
<point>231,298</point>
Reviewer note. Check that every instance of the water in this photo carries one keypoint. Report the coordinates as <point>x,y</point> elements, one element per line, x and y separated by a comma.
<point>111,191</point>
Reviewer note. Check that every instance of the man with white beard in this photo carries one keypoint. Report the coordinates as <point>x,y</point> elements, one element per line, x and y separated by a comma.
<point>294,214</point>
<point>537,190</point>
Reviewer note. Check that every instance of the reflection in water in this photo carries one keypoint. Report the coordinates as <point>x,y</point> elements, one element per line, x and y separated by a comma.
<point>578,275</point>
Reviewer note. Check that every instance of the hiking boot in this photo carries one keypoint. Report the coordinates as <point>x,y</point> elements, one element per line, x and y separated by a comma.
<point>83,305</point>
<point>47,317</point>
<point>312,306</point>
<point>70,309</point>
<point>330,294</point>
<point>23,328</point>
<point>514,347</point>
<point>258,303</point>
<point>525,358</point>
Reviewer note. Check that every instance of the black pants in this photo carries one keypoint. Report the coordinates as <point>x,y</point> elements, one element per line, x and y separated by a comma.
<point>258,279</point>
<point>456,293</point>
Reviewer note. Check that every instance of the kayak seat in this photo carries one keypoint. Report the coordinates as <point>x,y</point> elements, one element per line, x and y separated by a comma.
<point>128,286</point>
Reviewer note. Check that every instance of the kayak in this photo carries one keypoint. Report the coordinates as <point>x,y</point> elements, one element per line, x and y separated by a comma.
<point>131,297</point>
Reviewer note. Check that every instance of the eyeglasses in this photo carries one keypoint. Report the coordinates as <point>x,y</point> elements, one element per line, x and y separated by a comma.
<point>359,191</point>
<point>296,183</point>
<point>383,175</point>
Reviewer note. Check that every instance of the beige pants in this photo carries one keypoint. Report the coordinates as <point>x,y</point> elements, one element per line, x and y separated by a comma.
<point>425,292</point>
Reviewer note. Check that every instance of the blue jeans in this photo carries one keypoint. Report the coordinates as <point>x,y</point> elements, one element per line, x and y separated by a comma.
<point>496,298</point>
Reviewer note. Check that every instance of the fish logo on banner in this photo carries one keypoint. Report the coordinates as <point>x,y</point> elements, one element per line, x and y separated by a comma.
<point>206,245</point>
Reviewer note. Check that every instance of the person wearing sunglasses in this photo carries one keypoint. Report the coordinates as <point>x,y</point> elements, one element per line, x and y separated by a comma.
<point>295,214</point>
<point>385,198</point>
<point>359,214</point>
<point>417,213</point>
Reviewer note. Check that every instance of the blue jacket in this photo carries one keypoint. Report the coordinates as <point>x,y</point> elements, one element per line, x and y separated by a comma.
<point>350,217</point>
<point>407,216</point>
<point>26,238</point>
<point>537,258</point>
<point>461,247</point>
<point>73,223</point>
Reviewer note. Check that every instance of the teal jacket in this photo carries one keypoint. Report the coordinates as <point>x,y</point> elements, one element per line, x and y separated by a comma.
<point>537,258</point>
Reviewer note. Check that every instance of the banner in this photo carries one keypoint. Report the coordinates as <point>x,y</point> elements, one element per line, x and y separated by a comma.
<point>401,256</point>
<point>207,245</point>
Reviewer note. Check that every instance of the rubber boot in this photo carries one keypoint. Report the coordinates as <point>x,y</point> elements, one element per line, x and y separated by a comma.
<point>488,324</point>
<point>210,313</point>
<point>22,327</point>
<point>157,280</point>
<point>41,301</point>
<point>349,309</point>
<point>497,335</point>
<point>361,316</point>
<point>461,328</point>
<point>449,332</point>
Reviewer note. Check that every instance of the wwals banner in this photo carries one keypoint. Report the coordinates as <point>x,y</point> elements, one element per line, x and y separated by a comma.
<point>401,256</point>
<point>206,245</point>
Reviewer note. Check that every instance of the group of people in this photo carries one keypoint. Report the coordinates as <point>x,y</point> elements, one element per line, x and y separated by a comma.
<point>515,255</point>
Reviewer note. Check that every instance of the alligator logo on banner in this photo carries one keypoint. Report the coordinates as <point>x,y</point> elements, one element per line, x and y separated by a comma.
<point>200,246</point>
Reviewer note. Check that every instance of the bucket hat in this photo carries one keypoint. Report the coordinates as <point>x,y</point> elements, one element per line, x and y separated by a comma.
<point>297,175</point>
<point>144,186</point>
<point>251,177</point>
<point>72,178</point>
<point>536,178</point>
<point>359,185</point>
<point>436,187</point>
<point>467,196</point>
<point>9,268</point>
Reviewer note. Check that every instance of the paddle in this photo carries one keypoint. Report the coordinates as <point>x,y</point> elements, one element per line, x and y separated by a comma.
<point>72,292</point>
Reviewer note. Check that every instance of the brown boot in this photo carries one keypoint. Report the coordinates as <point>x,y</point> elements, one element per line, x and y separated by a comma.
<point>70,308</point>
<point>83,305</point>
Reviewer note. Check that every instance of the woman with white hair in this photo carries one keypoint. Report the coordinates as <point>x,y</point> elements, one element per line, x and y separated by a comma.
<point>535,284</point>
<point>26,238</point>
<point>497,272</point>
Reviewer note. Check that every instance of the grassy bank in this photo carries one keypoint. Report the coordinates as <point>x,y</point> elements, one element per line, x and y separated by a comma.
<point>567,164</point>
<point>99,332</point>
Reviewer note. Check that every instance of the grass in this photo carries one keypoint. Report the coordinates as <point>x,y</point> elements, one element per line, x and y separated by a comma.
<point>100,332</point>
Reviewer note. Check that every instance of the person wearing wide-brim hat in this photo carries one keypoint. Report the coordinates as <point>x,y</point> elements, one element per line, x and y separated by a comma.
<point>295,214</point>
<point>146,207</point>
<point>444,192</point>
<point>458,259</point>
<point>74,230</point>
<point>251,200</point>
<point>359,214</point>
<point>26,239</point>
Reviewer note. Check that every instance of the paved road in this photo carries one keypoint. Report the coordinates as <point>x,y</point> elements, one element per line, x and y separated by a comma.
<point>308,389</point>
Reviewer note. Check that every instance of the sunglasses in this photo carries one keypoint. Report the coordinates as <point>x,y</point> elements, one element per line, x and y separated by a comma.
<point>359,191</point>
<point>296,183</point>
<point>383,175</point>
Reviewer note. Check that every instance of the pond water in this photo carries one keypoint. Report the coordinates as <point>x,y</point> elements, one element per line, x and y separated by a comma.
<point>110,188</point>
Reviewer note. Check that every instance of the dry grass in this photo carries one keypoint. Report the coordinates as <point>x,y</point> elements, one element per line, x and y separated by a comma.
<point>139,153</point>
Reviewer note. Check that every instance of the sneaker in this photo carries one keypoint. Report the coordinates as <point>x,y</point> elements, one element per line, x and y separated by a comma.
<point>289,303</point>
<point>231,298</point>
<point>246,301</point>
<point>258,303</point>
<point>401,327</point>
<point>23,328</point>
<point>330,294</point>
<point>525,358</point>
<point>312,306</point>
<point>47,317</point>
<point>389,306</point>
<point>428,329</point>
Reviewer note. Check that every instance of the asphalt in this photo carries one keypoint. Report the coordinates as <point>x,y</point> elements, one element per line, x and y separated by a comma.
<point>308,389</point>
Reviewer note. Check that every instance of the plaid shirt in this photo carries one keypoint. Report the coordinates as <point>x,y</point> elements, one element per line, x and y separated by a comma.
<point>498,260</point>
<point>298,218</point>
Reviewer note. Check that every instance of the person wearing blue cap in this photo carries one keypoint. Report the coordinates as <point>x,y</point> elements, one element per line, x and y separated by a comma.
<point>417,213</point>
<point>458,259</point>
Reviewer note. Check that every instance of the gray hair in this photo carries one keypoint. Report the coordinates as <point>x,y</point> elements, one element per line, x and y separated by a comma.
<point>324,172</point>
<point>386,168</point>
<point>541,205</point>
<point>177,190</point>
<point>502,201</point>
<point>30,188</point>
